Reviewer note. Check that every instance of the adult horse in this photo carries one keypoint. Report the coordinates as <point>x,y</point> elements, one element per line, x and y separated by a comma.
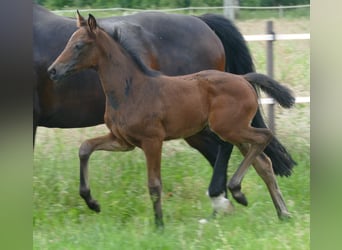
<point>145,108</point>
<point>173,44</point>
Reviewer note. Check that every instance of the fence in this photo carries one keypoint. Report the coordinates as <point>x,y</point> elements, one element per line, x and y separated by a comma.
<point>230,11</point>
<point>270,37</point>
<point>206,8</point>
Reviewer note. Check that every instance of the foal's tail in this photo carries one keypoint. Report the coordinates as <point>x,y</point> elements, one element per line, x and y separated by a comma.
<point>281,160</point>
<point>280,93</point>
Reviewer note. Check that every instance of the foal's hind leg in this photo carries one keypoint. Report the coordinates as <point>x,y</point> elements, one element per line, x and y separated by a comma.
<point>108,143</point>
<point>258,138</point>
<point>263,166</point>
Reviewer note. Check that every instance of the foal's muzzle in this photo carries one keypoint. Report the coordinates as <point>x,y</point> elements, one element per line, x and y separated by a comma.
<point>56,73</point>
<point>52,73</point>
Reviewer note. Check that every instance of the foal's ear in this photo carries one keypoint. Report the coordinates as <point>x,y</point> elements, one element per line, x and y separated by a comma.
<point>92,23</point>
<point>80,20</point>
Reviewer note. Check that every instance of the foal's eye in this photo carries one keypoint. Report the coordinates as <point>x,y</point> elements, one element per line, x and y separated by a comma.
<point>78,46</point>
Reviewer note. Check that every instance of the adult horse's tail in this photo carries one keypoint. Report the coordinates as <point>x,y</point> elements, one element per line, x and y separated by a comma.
<point>238,57</point>
<point>239,61</point>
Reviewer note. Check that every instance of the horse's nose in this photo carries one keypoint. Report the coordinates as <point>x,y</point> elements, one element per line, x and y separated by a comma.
<point>52,71</point>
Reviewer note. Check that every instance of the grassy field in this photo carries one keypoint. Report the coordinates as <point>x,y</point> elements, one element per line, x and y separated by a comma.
<point>61,220</point>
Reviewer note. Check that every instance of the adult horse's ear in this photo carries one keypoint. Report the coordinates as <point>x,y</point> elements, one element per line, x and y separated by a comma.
<point>80,20</point>
<point>92,23</point>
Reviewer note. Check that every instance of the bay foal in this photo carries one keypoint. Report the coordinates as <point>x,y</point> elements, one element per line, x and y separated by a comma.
<point>145,108</point>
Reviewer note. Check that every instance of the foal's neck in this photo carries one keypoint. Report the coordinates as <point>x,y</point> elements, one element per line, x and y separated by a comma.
<point>115,66</point>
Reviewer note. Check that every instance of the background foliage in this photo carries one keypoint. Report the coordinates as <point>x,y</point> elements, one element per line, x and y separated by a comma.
<point>145,4</point>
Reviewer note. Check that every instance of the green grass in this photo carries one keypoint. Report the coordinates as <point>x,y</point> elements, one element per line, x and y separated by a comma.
<point>118,180</point>
<point>61,219</point>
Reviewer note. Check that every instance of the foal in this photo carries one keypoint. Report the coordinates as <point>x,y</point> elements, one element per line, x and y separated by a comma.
<point>145,108</point>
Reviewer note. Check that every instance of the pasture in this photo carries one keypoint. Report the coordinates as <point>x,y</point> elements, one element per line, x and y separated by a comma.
<point>61,220</point>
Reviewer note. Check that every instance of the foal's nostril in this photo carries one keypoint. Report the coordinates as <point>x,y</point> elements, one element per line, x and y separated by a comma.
<point>52,71</point>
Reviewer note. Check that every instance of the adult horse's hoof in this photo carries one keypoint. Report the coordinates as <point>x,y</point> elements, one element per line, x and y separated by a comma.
<point>221,204</point>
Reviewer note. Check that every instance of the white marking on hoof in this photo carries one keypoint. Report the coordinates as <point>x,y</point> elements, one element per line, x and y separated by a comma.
<point>222,204</point>
<point>203,221</point>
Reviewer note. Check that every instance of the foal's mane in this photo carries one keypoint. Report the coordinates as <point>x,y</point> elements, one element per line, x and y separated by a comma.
<point>131,52</point>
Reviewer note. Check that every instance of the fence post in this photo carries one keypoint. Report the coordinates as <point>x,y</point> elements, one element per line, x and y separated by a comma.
<point>228,10</point>
<point>269,61</point>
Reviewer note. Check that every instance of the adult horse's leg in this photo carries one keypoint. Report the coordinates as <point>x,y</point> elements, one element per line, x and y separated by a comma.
<point>152,149</point>
<point>108,143</point>
<point>263,166</point>
<point>238,61</point>
<point>206,143</point>
<point>217,152</point>
<point>218,185</point>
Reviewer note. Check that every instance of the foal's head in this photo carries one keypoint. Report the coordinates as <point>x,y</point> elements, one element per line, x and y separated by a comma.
<point>80,52</point>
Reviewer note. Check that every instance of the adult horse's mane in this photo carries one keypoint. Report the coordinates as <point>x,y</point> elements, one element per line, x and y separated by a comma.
<point>131,52</point>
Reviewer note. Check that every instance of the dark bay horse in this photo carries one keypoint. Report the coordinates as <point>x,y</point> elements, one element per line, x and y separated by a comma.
<point>145,108</point>
<point>172,44</point>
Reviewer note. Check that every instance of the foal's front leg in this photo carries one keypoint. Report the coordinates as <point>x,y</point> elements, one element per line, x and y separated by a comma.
<point>109,143</point>
<point>152,149</point>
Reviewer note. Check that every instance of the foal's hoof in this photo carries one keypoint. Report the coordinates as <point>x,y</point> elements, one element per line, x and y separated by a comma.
<point>93,205</point>
<point>240,198</point>
<point>159,226</point>
<point>284,216</point>
<point>237,194</point>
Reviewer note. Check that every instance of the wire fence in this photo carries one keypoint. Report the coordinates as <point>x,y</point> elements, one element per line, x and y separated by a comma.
<point>206,8</point>
<point>241,12</point>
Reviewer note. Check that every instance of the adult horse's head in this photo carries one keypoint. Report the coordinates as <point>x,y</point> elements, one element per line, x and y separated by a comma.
<point>79,53</point>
